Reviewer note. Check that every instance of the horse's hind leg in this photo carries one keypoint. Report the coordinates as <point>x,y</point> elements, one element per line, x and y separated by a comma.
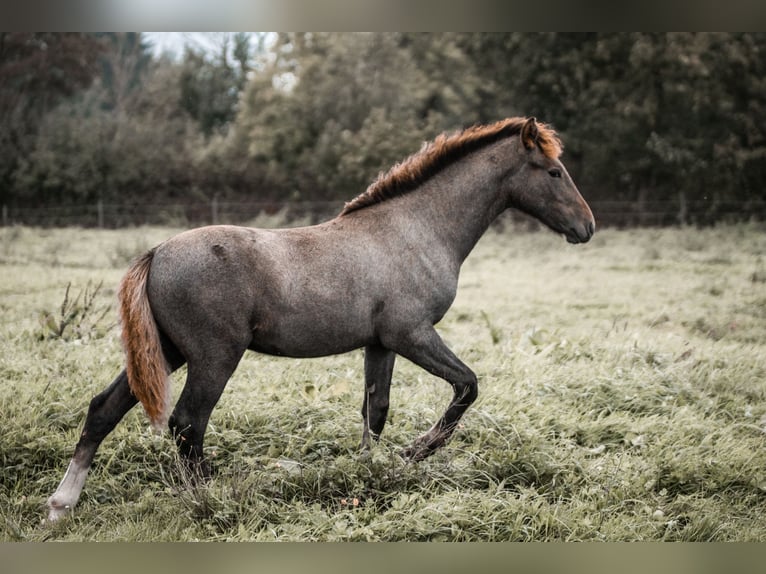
<point>378,367</point>
<point>105,411</point>
<point>426,349</point>
<point>205,381</point>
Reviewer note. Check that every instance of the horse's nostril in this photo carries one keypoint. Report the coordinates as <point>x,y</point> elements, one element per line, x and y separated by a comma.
<point>591,227</point>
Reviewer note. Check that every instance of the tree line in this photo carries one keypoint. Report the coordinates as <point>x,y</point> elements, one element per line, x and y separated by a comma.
<point>670,119</point>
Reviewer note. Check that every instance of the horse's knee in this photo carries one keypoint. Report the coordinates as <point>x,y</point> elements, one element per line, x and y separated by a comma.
<point>467,391</point>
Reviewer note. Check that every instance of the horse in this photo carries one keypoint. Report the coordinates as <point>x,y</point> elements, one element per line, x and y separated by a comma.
<point>378,276</point>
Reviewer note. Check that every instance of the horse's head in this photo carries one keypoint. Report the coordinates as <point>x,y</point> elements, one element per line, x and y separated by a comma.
<point>541,186</point>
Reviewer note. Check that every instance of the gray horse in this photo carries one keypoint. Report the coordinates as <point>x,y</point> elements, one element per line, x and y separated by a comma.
<point>380,276</point>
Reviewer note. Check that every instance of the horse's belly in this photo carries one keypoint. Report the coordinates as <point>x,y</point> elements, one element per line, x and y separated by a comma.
<point>302,349</point>
<point>308,337</point>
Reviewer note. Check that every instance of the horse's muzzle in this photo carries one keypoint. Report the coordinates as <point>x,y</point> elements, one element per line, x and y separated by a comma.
<point>581,233</point>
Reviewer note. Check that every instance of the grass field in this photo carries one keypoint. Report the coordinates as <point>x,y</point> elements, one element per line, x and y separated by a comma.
<point>622,397</point>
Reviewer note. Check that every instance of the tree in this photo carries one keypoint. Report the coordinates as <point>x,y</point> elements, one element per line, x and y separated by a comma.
<point>37,71</point>
<point>137,147</point>
<point>649,117</point>
<point>124,63</point>
<point>210,87</point>
<point>335,109</point>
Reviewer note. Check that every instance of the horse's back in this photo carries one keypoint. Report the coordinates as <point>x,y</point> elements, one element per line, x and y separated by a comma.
<point>289,292</point>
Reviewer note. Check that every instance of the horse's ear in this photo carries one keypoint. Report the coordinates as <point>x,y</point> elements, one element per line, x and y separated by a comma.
<point>529,133</point>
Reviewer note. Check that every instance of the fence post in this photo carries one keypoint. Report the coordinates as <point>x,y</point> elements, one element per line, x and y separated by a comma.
<point>683,210</point>
<point>214,210</point>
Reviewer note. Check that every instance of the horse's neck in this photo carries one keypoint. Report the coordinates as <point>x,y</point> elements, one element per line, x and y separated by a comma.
<point>458,205</point>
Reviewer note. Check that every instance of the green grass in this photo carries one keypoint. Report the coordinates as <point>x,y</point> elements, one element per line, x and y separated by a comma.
<point>622,397</point>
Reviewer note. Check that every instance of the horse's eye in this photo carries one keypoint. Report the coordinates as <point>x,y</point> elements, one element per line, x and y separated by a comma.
<point>555,172</point>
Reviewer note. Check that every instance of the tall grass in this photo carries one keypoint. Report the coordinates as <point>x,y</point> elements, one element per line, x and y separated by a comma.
<point>622,397</point>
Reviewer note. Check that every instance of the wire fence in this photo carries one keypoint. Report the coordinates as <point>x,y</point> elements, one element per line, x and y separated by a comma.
<point>276,213</point>
<point>187,214</point>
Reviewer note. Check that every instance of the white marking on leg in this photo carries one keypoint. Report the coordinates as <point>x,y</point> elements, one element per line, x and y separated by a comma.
<point>68,492</point>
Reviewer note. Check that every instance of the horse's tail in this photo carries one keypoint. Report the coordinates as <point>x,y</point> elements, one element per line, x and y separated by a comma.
<point>148,371</point>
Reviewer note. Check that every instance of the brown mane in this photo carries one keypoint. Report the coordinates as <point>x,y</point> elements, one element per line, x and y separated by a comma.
<point>444,150</point>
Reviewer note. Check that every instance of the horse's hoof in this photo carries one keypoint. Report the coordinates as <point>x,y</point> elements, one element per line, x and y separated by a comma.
<point>57,511</point>
<point>414,453</point>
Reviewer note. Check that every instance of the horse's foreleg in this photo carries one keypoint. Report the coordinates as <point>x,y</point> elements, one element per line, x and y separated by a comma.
<point>378,367</point>
<point>105,411</point>
<point>425,348</point>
